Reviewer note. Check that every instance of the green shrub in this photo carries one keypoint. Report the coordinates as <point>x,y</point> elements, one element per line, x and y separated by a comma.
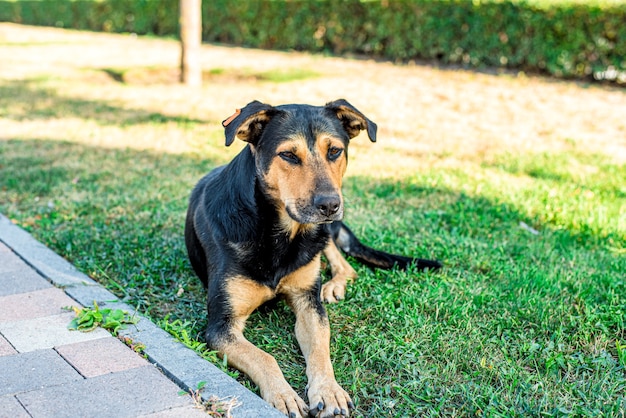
<point>563,39</point>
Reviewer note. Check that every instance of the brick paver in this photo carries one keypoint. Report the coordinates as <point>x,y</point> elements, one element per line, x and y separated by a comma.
<point>34,370</point>
<point>9,261</point>
<point>130,393</point>
<point>20,281</point>
<point>101,356</point>
<point>46,332</point>
<point>10,407</point>
<point>34,304</point>
<point>5,347</point>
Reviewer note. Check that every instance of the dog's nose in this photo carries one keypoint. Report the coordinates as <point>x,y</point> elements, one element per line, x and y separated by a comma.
<point>327,204</point>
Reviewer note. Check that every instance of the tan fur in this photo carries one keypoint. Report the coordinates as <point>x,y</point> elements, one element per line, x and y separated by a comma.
<point>292,227</point>
<point>300,280</point>
<point>246,295</point>
<point>251,125</point>
<point>342,272</point>
<point>312,333</point>
<point>357,122</point>
<point>292,184</point>
<point>263,369</point>
<point>337,169</point>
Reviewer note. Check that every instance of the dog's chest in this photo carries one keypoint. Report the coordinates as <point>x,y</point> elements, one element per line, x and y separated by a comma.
<point>273,257</point>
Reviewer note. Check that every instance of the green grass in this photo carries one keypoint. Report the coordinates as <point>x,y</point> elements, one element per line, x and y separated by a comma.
<point>517,323</point>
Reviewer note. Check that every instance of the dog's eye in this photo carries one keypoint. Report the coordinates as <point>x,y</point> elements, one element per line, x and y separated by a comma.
<point>290,157</point>
<point>334,153</point>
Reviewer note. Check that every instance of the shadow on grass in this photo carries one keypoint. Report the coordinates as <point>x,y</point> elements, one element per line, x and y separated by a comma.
<point>117,214</point>
<point>45,103</point>
<point>513,317</point>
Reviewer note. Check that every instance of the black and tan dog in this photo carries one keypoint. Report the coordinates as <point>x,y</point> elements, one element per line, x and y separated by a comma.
<point>256,229</point>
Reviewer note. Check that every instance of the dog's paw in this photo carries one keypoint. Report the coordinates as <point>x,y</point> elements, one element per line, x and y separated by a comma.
<point>328,399</point>
<point>334,290</point>
<point>288,402</point>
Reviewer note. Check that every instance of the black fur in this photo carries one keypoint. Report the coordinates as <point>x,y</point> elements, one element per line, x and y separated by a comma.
<point>350,244</point>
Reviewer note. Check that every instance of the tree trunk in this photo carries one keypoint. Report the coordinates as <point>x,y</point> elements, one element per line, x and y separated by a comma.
<point>190,40</point>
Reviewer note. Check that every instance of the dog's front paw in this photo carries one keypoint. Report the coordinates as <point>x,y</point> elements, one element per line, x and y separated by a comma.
<point>334,290</point>
<point>328,399</point>
<point>287,401</point>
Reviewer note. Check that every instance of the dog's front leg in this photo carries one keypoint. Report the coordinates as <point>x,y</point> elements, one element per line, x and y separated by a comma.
<point>335,289</point>
<point>263,369</point>
<point>225,334</point>
<point>326,397</point>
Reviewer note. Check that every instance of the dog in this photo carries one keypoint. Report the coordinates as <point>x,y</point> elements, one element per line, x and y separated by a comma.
<point>256,229</point>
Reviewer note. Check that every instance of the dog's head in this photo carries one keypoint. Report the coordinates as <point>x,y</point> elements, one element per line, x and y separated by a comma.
<point>301,153</point>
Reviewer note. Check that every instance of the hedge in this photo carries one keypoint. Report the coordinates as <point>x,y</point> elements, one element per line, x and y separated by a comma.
<point>563,39</point>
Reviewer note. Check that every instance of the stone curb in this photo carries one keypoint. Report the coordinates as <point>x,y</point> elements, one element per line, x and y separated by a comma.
<point>180,364</point>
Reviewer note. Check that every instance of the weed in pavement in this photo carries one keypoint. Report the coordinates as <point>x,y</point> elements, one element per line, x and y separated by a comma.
<point>88,319</point>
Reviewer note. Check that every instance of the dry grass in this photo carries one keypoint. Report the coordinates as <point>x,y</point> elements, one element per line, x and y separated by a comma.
<point>422,111</point>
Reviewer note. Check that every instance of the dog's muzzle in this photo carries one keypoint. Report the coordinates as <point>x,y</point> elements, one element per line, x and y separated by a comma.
<point>323,208</point>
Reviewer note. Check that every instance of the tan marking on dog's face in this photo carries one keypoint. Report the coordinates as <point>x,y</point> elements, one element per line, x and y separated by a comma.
<point>299,171</point>
<point>245,295</point>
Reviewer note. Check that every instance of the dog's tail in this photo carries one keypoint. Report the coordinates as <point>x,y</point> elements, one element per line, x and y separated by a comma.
<point>348,242</point>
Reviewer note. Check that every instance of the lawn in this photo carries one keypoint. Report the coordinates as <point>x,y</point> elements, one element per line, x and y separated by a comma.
<point>515,182</point>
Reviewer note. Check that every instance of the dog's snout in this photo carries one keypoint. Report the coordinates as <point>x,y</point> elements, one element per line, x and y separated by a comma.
<point>327,204</point>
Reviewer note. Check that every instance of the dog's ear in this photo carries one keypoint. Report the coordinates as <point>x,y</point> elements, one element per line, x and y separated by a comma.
<point>248,123</point>
<point>353,121</point>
